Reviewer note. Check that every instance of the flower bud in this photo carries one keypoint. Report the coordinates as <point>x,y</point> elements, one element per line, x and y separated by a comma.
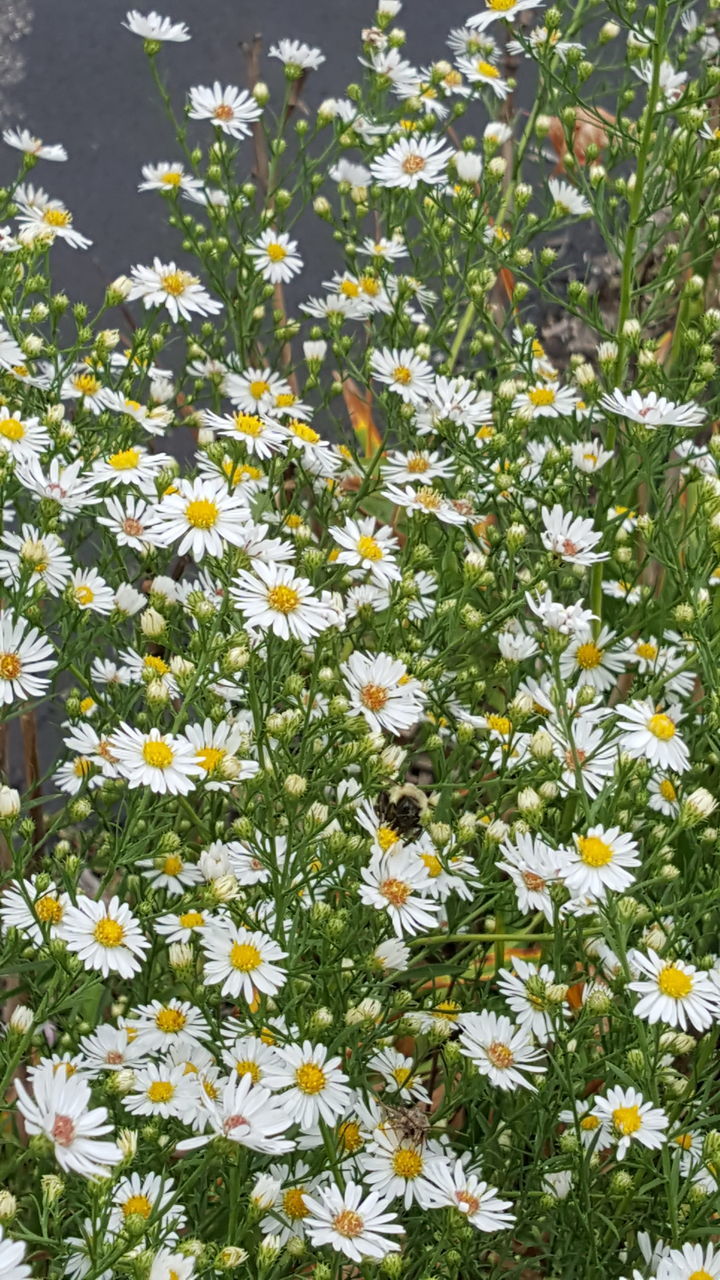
<point>8,1205</point>
<point>697,807</point>
<point>230,1257</point>
<point>21,1020</point>
<point>152,623</point>
<point>9,803</point>
<point>52,1187</point>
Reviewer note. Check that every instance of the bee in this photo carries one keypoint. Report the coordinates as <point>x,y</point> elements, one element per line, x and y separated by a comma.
<point>401,808</point>
<point>409,1124</point>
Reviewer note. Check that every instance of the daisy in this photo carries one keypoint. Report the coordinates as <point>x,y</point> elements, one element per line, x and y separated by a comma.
<point>216,748</point>
<point>692,1262</point>
<point>351,1223</point>
<point>403,372</point>
<point>273,599</point>
<point>567,200</point>
<point>647,734</point>
<point>276,257</point>
<point>314,1087</point>
<point>37,913</point>
<point>380,689</point>
<point>286,1195</point>
<point>370,546</point>
<point>589,456</point>
<point>152,27</point>
<point>652,410</point>
<point>110,1048</point>
<point>23,140</point>
<point>588,758</point>
<point>533,866</point>
<point>601,860</point>
<point>21,437</point>
<point>230,109</point>
<point>254,389</point>
<point>507,9</point>
<point>160,1089</point>
<point>316,455</point>
<point>545,401</point>
<point>394,1167</point>
<point>60,1109</point>
<point>244,961</point>
<point>461,1188</point>
<point>12,1253</point>
<point>383,249</point>
<point>525,991</point>
<point>411,161</point>
<point>171,1266</point>
<point>663,796</point>
<point>202,517</point>
<point>134,465</point>
<point>627,591</point>
<point>674,992</point>
<point>416,468</point>
<point>430,502</point>
<point>570,537</point>
<point>245,1113</point>
<point>171,872</point>
<point>151,1196</point>
<point>184,925</point>
<point>167,177</point>
<point>164,762</point>
<point>250,1056</point>
<point>88,591</point>
<point>36,556</point>
<point>259,435</point>
<point>25,655</point>
<point>499,1049</point>
<point>132,521</point>
<point>164,284</point>
<point>628,1118</point>
<point>399,1075</point>
<point>106,936</point>
<point>297,56</point>
<point>399,884</point>
<point>480,71</point>
<point>67,486</point>
<point>592,1131</point>
<point>48,220</point>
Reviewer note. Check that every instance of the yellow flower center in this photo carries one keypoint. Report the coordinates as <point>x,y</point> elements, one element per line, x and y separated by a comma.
<point>84,595</point>
<point>86,383</point>
<point>48,909</point>
<point>402,374</point>
<point>472,1202</point>
<point>10,666</point>
<point>155,664</point>
<point>417,464</point>
<point>246,1067</point>
<point>401,1075</point>
<point>248,424</point>
<point>223,112</point>
<point>433,864</point>
<point>413,164</point>
<point>589,1123</point>
<point>57,217</point>
<point>486,69</point>
<point>349,1137</point>
<point>647,651</point>
<point>348,1223</point>
<point>109,933</point>
<point>397,892</point>
<point>674,983</point>
<point>541,396</point>
<point>500,6</point>
<point>428,498</point>
<point>386,837</point>
<point>81,766</point>
<point>407,1163</point>
<point>191,919</point>
<point>170,1020</point>
<point>139,1205</point>
<point>293,1203</point>
<point>259,388</point>
<point>283,599</point>
<point>303,431</point>
<point>276,252</point>
<point>667,790</point>
<point>171,179</point>
<point>702,1274</point>
<point>160,1091</point>
<point>310,1078</point>
<point>176,282</point>
<point>158,755</point>
<point>662,727</point>
<point>209,758</point>
<point>245,957</point>
<point>125,460</point>
<point>588,656</point>
<point>202,513</point>
<point>684,1140</point>
<point>627,1120</point>
<point>594,851</point>
<point>501,1055</point>
<point>369,549</point>
<point>172,865</point>
<point>374,696</point>
<point>370,286</point>
<point>12,429</point>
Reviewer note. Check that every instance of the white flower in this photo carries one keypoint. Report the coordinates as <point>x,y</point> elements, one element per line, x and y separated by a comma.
<point>25,655</point>
<point>110,1048</point>
<point>230,109</point>
<point>90,592</point>
<point>570,537</point>
<point>628,1118</point>
<point>525,991</point>
<point>136,466</point>
<point>567,199</point>
<point>380,689</point>
<point>589,456</point>
<point>568,619</point>
<point>202,517</point>
<point>23,140</point>
<point>479,71</point>
<point>403,372</point>
<point>259,435</point>
<point>507,9</point>
<point>674,992</point>
<point>21,437</point>
<point>106,936</point>
<point>411,161</point>
<point>171,1266</point>
<point>132,521</point>
<point>61,1109</point>
<point>600,861</point>
<point>533,867</point>
<point>67,485</point>
<point>545,401</point>
<point>168,177</point>
<point>295,54</point>
<point>162,1089</point>
<point>165,284</point>
<point>216,748</point>
<point>12,1253</point>
<point>399,884</point>
<point>352,1224</point>
<point>691,1262</point>
<point>164,762</point>
<point>370,546</point>
<point>399,1074</point>
<point>648,734</point>
<point>500,1049</point>
<point>276,257</point>
<point>462,1189</point>
<point>47,220</point>
<point>274,599</point>
<point>593,660</point>
<point>652,410</point>
<point>243,961</point>
<point>395,1166</point>
<point>36,912</point>
<point>247,1114</point>
<point>314,1087</point>
<point>152,26</point>
<point>148,1197</point>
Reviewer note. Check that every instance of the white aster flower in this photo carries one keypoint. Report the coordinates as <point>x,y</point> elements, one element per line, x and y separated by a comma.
<point>23,140</point>
<point>164,1090</point>
<point>370,546</point>
<point>243,961</point>
<point>403,372</point>
<point>151,26</point>
<point>570,537</point>
<point>652,735</point>
<point>202,517</point>
<point>674,992</point>
<point>274,599</point>
<point>60,1107</point>
<point>275,256</point>
<point>567,199</point>
<point>602,859</point>
<point>230,109</point>
<point>106,936</point>
<point>652,410</point>
<point>314,1087</point>
<point>500,1049</point>
<point>25,657</point>
<point>507,9</point>
<point>461,1188</point>
<point>399,884</point>
<point>380,689</point>
<point>296,55</point>
<point>691,1262</point>
<point>351,1223</point>
<point>245,1113</point>
<point>165,284</point>
<point>411,161</point>
<point>628,1118</point>
<point>164,762</point>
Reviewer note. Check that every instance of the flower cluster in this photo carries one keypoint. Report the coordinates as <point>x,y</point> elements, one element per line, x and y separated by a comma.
<point>358,669</point>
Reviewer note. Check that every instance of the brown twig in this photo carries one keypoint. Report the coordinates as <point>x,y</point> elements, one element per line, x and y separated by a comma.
<point>28,728</point>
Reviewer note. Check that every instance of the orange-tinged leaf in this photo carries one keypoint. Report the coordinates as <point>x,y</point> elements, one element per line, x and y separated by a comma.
<point>359,406</point>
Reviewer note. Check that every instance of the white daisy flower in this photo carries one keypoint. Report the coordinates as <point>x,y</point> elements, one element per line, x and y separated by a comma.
<point>39,556</point>
<point>47,220</point>
<point>652,410</point>
<point>184,925</point>
<point>60,1108</point>
<point>134,465</point>
<point>254,389</point>
<point>399,884</point>
<point>132,521</point>
<point>570,537</point>
<point>37,913</point>
<point>260,435</point>
<point>461,1188</point>
<point>243,961</point>
<point>592,660</point>
<point>601,860</point>
<point>106,936</point>
<point>297,56</point>
<point>23,140</point>
<point>397,1167</point>
<point>160,1089</point>
<point>171,1266</point>
<point>351,1223</point>
<point>481,72</point>
<point>592,1131</point>
<point>165,284</point>
<point>648,734</point>
<point>411,161</point>
<point>20,437</point>
<point>276,257</point>
<point>399,1074</point>
<point>430,502</point>
<point>499,1049</point>
<point>545,401</point>
<point>674,992</point>
<point>663,796</point>
<point>380,689</point>
<point>367,545</point>
<point>628,1118</point>
<point>589,456</point>
<point>273,599</point>
<point>151,1196</point>
<point>525,991</point>
<point>588,758</point>
<point>68,486</point>
<point>691,1262</point>
<point>88,591</point>
<point>567,199</point>
<point>164,762</point>
<point>314,1087</point>
<point>25,656</point>
<point>250,1056</point>
<point>230,109</point>
<point>202,517</point>
<point>110,1048</point>
<point>245,1113</point>
<point>171,872</point>
<point>151,26</point>
<point>216,748</point>
<point>403,372</point>
<point>168,177</point>
<point>507,9</point>
<point>533,866</point>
